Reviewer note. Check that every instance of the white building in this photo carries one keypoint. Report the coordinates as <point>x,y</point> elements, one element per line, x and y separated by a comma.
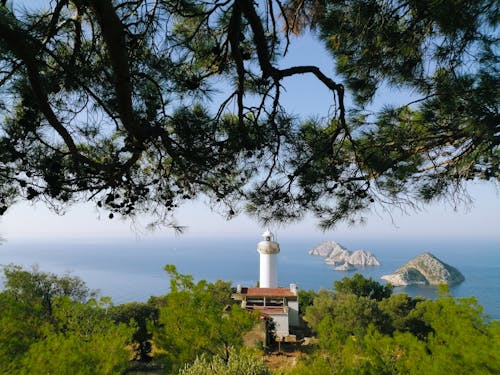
<point>278,303</point>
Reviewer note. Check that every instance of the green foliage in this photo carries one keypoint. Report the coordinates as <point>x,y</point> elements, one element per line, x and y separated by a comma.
<point>85,341</point>
<point>362,287</point>
<point>50,325</point>
<point>40,288</point>
<point>351,309</point>
<point>306,299</point>
<point>404,316</point>
<point>107,101</point>
<point>455,114</point>
<point>20,326</point>
<point>460,341</point>
<point>323,305</point>
<point>142,316</point>
<point>197,318</point>
<point>399,335</point>
<point>27,307</point>
<point>351,316</point>
<point>199,330</point>
<point>392,38</point>
<point>242,362</point>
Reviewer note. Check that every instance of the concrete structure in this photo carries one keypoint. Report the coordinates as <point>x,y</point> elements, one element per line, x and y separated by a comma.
<point>279,304</point>
<point>268,250</point>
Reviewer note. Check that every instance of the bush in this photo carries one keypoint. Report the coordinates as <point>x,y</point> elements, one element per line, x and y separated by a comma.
<point>244,362</point>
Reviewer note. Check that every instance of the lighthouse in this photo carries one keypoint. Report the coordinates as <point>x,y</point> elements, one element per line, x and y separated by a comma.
<point>279,304</point>
<point>268,250</point>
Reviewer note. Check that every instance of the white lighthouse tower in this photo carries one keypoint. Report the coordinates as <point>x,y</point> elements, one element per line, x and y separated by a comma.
<point>279,304</point>
<point>268,250</point>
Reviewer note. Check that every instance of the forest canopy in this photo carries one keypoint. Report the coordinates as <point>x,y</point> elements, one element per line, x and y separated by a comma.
<point>54,324</point>
<point>141,105</point>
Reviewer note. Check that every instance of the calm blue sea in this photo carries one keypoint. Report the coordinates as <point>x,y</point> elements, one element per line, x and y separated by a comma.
<point>133,271</point>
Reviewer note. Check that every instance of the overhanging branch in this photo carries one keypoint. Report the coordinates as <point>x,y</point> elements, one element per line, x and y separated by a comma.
<point>113,34</point>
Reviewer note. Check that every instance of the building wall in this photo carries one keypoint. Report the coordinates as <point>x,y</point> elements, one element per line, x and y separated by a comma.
<point>293,313</point>
<point>281,325</point>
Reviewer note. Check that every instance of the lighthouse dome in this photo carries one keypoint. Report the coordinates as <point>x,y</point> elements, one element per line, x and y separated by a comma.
<point>268,246</point>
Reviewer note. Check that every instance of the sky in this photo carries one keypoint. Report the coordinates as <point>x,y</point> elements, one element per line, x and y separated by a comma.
<point>440,220</point>
<point>304,97</point>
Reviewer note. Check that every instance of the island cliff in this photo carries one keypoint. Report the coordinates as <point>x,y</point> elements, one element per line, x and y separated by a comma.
<point>345,260</point>
<point>425,269</point>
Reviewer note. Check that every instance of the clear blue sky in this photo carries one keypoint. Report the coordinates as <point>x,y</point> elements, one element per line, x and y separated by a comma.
<point>305,97</point>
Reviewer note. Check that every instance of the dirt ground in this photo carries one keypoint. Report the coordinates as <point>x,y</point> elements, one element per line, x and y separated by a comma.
<point>281,360</point>
<point>288,354</point>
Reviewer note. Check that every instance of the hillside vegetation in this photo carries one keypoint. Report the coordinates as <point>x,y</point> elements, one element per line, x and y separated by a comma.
<point>55,324</point>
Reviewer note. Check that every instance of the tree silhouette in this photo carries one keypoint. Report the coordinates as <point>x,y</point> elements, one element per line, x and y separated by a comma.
<point>109,101</point>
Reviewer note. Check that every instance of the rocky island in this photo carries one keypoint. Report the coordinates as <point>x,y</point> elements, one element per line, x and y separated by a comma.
<point>425,269</point>
<point>344,260</point>
<point>345,267</point>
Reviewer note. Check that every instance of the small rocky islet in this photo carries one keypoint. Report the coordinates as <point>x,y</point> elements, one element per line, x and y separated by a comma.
<point>343,259</point>
<point>425,269</point>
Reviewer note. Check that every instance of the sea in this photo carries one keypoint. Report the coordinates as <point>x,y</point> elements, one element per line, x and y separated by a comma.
<point>133,270</point>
